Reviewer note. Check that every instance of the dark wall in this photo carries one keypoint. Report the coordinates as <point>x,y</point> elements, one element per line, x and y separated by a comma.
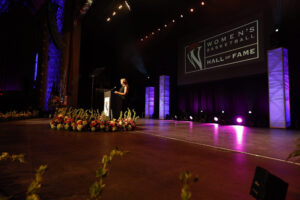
<point>19,38</point>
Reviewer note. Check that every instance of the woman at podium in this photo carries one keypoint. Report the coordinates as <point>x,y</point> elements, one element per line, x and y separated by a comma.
<point>123,93</point>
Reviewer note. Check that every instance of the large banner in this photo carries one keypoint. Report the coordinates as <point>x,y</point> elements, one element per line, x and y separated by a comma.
<point>233,46</point>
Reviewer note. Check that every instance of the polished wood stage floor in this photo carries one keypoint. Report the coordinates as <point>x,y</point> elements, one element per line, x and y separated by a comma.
<point>224,157</point>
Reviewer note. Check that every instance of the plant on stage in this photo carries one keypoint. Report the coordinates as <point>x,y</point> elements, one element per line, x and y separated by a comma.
<point>295,153</point>
<point>36,184</point>
<point>92,120</point>
<point>13,157</point>
<point>186,178</point>
<point>101,173</point>
<point>14,115</point>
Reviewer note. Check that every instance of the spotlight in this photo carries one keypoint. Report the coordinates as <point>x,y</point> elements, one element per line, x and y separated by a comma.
<point>146,36</point>
<point>175,117</point>
<point>192,10</point>
<point>201,111</point>
<point>181,16</point>
<point>216,119</point>
<point>158,29</point>
<point>108,19</point>
<point>142,40</point>
<point>128,6</point>
<point>120,7</point>
<point>223,111</point>
<point>114,13</point>
<point>166,25</point>
<point>173,20</point>
<point>249,112</point>
<point>277,30</point>
<point>148,77</point>
<point>239,120</point>
<point>191,117</point>
<point>202,3</point>
<point>152,33</point>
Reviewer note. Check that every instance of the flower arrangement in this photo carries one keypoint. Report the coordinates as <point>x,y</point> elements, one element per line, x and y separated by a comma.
<point>14,115</point>
<point>92,120</point>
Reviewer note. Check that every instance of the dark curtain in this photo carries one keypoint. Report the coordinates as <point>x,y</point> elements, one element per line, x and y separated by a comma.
<point>234,97</point>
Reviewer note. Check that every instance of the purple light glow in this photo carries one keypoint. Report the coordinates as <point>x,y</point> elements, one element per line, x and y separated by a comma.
<point>36,65</point>
<point>239,132</point>
<point>164,96</point>
<point>239,120</point>
<point>149,102</point>
<point>4,5</point>
<point>216,134</point>
<point>54,54</point>
<point>279,99</point>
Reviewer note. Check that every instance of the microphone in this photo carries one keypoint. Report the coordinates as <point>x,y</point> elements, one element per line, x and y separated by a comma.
<point>113,88</point>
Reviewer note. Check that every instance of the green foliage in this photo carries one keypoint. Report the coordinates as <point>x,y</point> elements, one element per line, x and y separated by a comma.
<point>101,173</point>
<point>296,152</point>
<point>36,184</point>
<point>96,189</point>
<point>13,157</point>
<point>186,178</point>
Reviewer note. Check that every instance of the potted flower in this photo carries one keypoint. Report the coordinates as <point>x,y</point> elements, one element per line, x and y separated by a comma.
<point>79,125</point>
<point>93,125</point>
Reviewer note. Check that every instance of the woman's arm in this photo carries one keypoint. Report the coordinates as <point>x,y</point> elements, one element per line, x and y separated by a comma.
<point>122,93</point>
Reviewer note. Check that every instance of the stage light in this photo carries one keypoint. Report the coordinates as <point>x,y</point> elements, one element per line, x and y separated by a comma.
<point>146,36</point>
<point>148,77</point>
<point>166,25</point>
<point>175,117</point>
<point>201,111</point>
<point>249,112</point>
<point>152,33</point>
<point>239,120</point>
<point>181,16</point>
<point>114,13</point>
<point>216,119</point>
<point>192,10</point>
<point>127,5</point>
<point>173,20</point>
<point>108,19</point>
<point>191,117</point>
<point>120,7</point>
<point>223,111</point>
<point>142,40</point>
<point>202,3</point>
<point>277,30</point>
<point>158,29</point>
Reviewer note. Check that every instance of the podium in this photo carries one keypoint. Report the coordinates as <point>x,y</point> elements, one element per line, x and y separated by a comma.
<point>112,102</point>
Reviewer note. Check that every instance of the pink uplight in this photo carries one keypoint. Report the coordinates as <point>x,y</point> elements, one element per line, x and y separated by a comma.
<point>239,120</point>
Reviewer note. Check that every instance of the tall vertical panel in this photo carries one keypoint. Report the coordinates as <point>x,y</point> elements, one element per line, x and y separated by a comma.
<point>279,99</point>
<point>164,96</point>
<point>286,87</point>
<point>149,102</point>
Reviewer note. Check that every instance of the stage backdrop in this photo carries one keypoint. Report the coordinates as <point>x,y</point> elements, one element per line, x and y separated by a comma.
<point>232,51</point>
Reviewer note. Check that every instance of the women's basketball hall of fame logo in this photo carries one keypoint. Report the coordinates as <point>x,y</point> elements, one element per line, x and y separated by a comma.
<point>233,46</point>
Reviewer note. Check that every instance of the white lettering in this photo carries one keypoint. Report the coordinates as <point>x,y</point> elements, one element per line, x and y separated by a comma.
<point>224,39</point>
<point>240,33</point>
<point>252,29</point>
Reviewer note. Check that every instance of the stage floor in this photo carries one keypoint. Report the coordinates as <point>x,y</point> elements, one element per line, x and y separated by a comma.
<point>268,143</point>
<point>224,157</point>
